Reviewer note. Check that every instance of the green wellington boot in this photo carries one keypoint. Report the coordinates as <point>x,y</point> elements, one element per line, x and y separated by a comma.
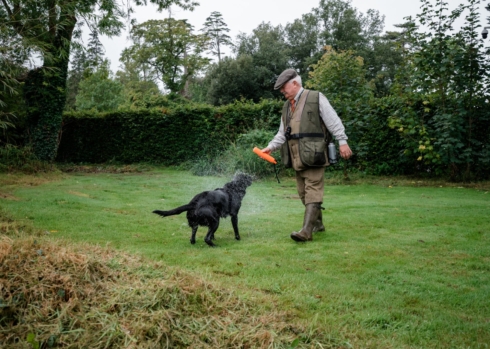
<point>311,215</point>
<point>318,224</point>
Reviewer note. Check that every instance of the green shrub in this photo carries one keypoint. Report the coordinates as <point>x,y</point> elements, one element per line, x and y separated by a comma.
<point>240,157</point>
<point>168,136</point>
<point>219,140</point>
<point>13,158</point>
<point>379,148</point>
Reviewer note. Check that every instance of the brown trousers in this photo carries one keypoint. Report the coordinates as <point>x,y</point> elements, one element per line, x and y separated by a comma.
<point>310,184</point>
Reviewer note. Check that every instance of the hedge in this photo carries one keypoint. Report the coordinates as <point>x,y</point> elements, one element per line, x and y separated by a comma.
<point>181,132</point>
<point>161,135</point>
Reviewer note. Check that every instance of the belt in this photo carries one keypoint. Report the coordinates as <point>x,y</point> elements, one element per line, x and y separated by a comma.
<point>303,135</point>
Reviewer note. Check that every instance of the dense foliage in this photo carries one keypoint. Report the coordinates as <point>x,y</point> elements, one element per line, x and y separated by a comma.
<point>169,49</point>
<point>162,135</point>
<point>239,157</point>
<point>99,92</point>
<point>48,29</point>
<point>413,101</point>
<point>444,119</point>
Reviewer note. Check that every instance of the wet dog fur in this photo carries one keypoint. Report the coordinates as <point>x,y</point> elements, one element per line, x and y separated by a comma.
<point>206,208</point>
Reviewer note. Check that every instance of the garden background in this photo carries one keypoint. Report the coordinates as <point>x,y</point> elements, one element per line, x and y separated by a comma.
<point>87,153</point>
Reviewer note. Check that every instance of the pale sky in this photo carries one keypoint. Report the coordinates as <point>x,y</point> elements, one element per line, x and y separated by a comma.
<point>246,15</point>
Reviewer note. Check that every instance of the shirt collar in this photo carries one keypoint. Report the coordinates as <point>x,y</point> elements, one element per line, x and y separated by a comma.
<point>298,94</point>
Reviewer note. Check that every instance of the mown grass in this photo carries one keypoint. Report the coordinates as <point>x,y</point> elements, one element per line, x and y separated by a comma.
<point>401,264</point>
<point>58,294</point>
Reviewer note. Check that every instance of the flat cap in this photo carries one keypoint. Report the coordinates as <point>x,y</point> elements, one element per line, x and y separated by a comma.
<point>285,76</point>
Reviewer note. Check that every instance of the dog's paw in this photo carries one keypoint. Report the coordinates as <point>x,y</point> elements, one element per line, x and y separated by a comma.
<point>193,241</point>
<point>237,238</point>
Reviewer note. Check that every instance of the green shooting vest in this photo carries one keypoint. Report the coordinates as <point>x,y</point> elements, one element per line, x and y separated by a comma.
<point>307,146</point>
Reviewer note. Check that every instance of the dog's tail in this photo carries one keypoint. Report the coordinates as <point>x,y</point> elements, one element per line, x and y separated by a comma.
<point>175,211</point>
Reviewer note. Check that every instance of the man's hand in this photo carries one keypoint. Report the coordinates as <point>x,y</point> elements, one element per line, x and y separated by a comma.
<point>345,151</point>
<point>266,151</point>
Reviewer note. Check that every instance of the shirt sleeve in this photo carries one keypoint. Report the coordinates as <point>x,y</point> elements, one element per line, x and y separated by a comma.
<point>278,139</point>
<point>332,120</point>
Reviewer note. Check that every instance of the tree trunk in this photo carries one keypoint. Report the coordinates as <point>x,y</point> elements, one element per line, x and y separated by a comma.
<point>45,95</point>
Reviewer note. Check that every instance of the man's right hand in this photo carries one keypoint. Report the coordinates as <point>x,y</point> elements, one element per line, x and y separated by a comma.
<point>266,151</point>
<point>345,151</point>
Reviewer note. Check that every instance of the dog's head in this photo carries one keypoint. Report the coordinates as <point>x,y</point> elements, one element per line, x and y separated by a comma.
<point>242,180</point>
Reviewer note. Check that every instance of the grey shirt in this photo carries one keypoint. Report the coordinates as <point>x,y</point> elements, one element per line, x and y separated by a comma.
<point>329,117</point>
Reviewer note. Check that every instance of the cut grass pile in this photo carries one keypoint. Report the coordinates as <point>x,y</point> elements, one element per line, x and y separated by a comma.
<point>58,294</point>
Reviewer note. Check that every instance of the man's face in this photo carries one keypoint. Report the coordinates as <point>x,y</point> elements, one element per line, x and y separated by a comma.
<point>290,89</point>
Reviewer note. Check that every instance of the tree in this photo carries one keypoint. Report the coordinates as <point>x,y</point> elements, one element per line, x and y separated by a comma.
<point>268,49</point>
<point>75,75</point>
<point>140,94</point>
<point>340,26</point>
<point>95,50</point>
<point>383,61</point>
<point>302,40</point>
<point>14,54</point>
<point>170,49</point>
<point>49,27</point>
<point>232,79</point>
<point>341,77</point>
<point>9,65</point>
<point>132,70</point>
<point>345,28</point>
<point>215,29</point>
<point>8,88</point>
<point>139,84</point>
<point>445,119</point>
<point>99,91</point>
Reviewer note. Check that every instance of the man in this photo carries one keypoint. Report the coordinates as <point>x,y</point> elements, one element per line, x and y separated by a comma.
<point>307,117</point>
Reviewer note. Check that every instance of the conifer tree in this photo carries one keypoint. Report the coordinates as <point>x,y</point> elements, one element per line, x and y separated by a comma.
<point>215,29</point>
<point>79,63</point>
<point>95,50</point>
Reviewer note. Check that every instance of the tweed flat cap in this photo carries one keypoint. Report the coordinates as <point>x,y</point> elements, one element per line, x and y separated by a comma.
<point>285,76</point>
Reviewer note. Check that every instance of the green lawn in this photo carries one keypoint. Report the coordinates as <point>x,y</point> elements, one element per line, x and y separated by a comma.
<point>397,267</point>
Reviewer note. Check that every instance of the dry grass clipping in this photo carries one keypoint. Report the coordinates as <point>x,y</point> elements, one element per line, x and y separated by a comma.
<point>57,294</point>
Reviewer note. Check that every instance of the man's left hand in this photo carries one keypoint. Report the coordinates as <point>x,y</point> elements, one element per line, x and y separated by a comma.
<point>345,151</point>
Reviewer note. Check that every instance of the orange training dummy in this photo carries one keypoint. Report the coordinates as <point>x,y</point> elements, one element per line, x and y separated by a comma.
<point>265,156</point>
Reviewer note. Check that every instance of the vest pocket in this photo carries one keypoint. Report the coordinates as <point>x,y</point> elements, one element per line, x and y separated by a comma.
<point>285,156</point>
<point>297,163</point>
<point>313,152</point>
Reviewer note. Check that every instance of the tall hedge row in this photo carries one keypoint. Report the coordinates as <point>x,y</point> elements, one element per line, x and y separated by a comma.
<point>161,135</point>
<point>181,132</point>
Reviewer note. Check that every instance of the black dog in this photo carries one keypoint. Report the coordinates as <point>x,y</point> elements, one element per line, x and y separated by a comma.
<point>208,207</point>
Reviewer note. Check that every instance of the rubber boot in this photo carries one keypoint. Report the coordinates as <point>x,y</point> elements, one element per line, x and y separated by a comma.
<point>305,234</point>
<point>318,224</point>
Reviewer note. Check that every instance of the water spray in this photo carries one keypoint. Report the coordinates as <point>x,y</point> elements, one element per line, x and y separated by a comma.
<point>268,158</point>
